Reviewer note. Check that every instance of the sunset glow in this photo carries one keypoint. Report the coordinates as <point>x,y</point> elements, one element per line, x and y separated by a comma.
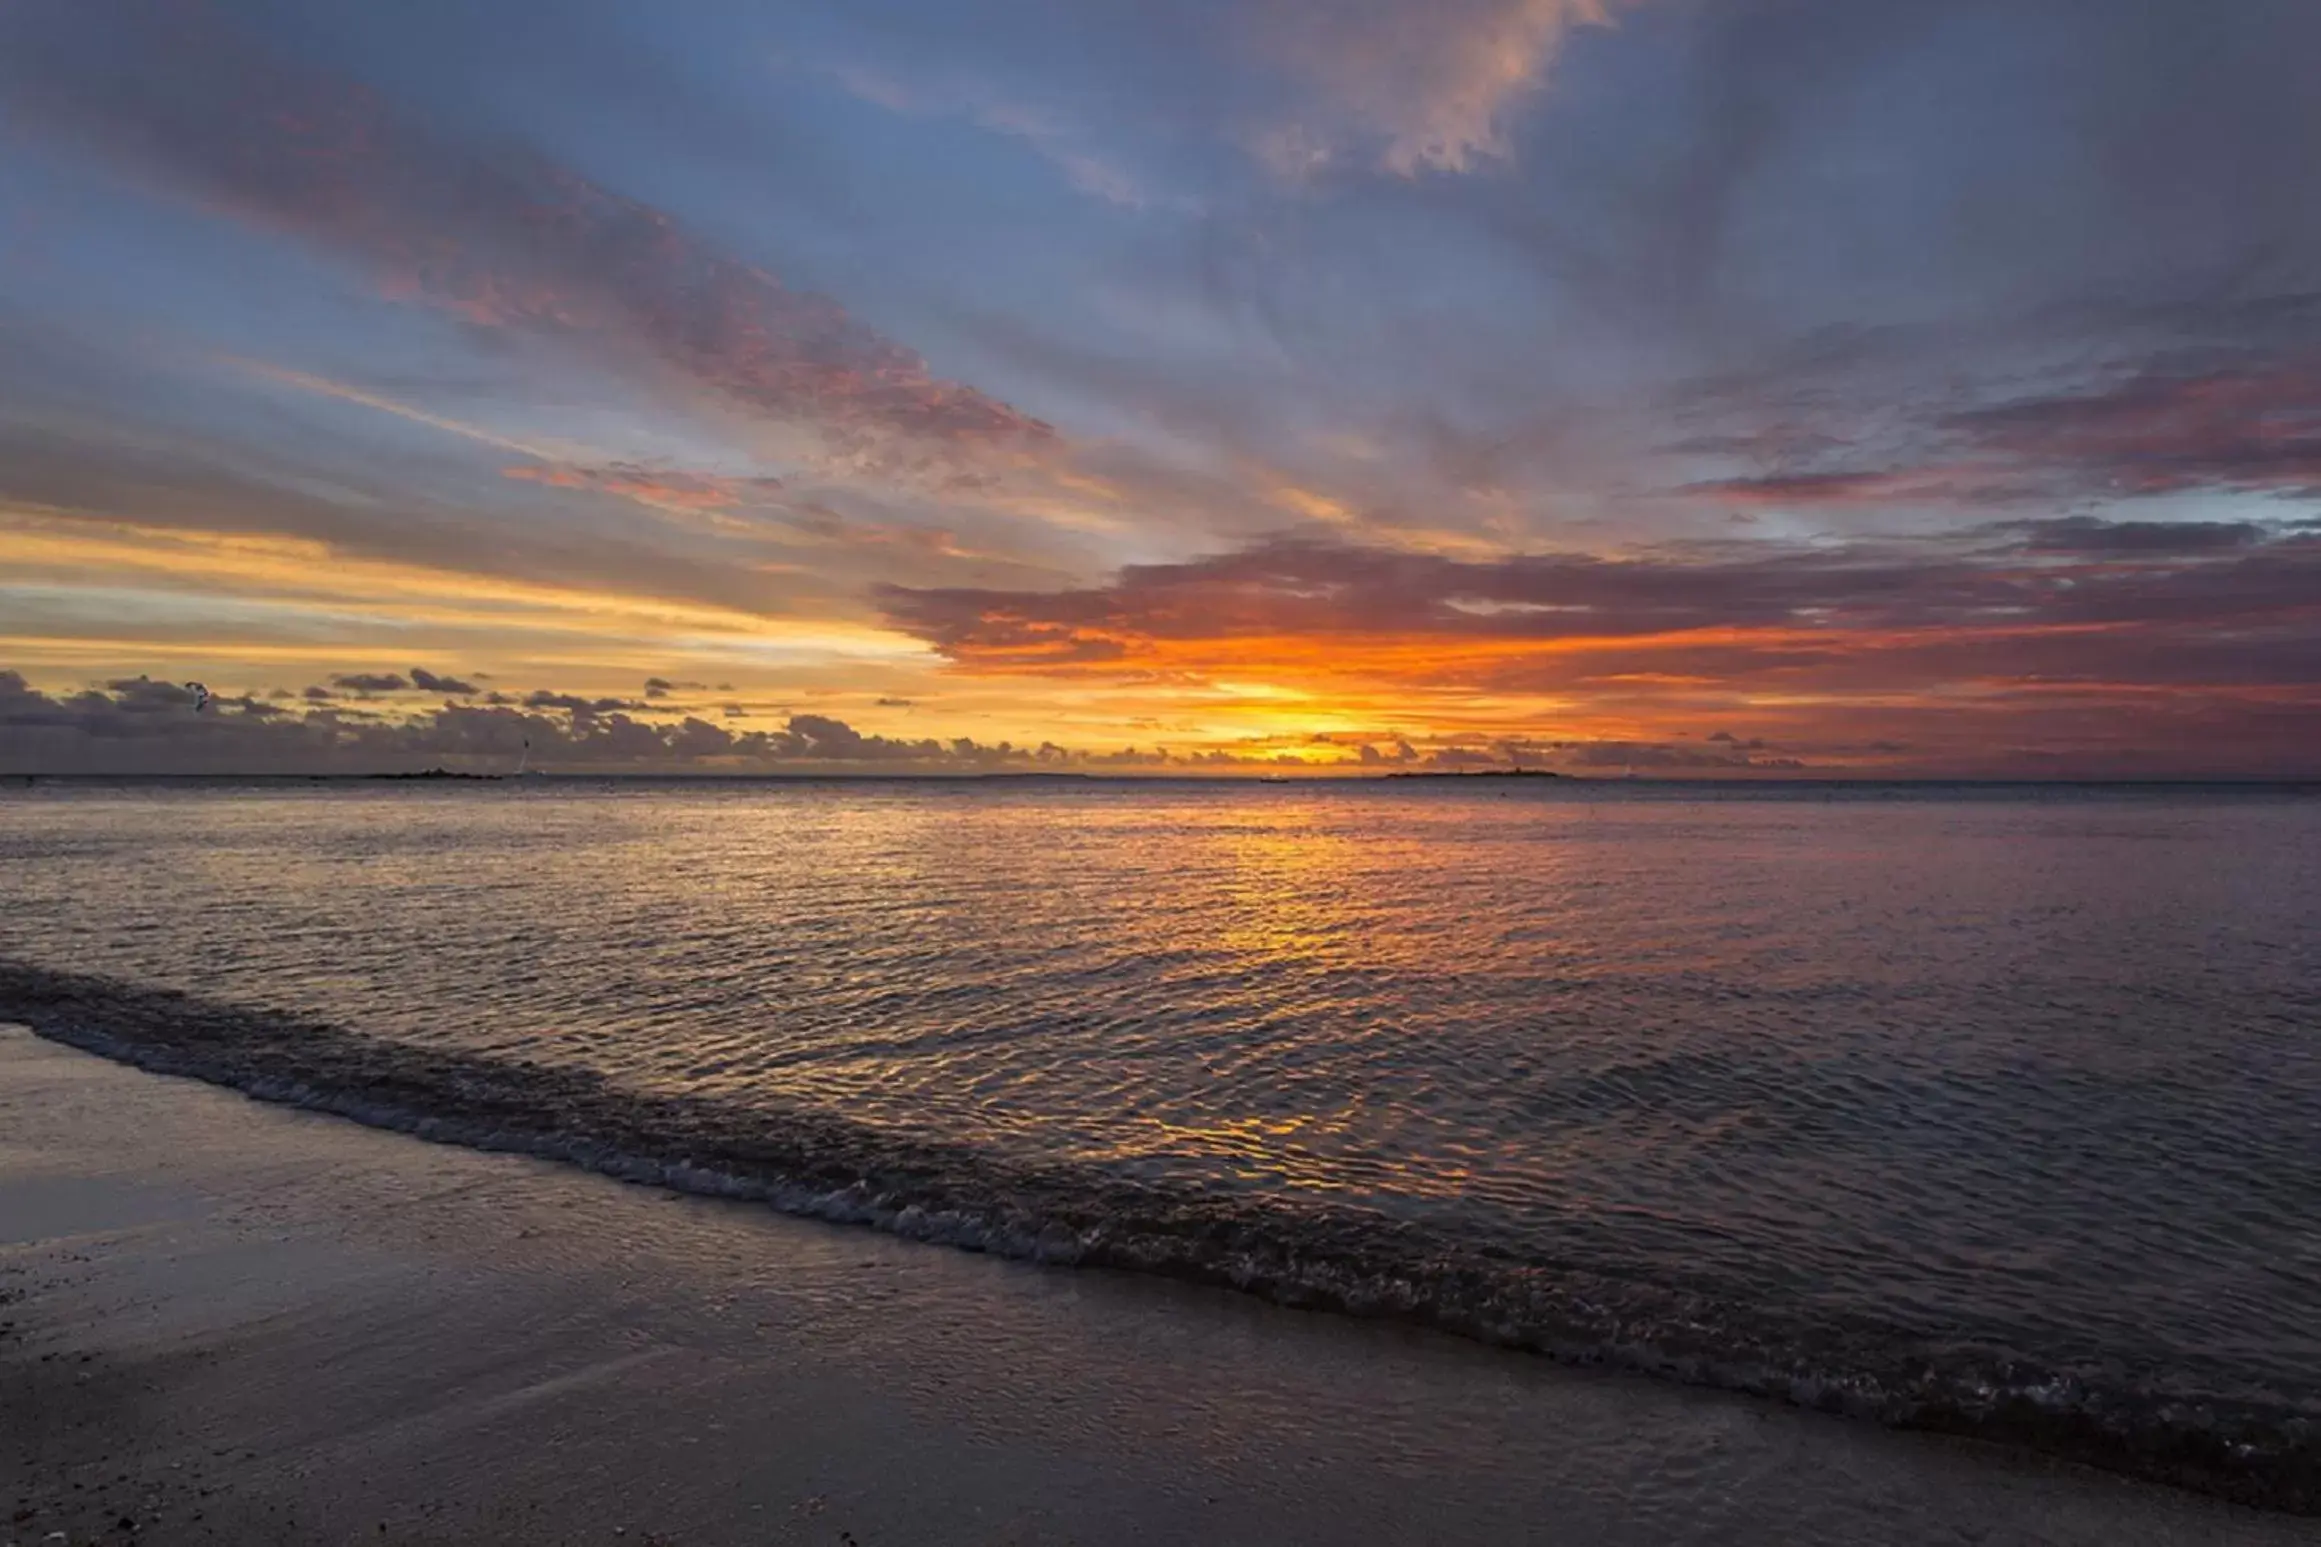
<point>1647,386</point>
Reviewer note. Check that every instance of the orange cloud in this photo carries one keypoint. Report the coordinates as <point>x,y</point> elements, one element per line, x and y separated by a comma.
<point>2051,634</point>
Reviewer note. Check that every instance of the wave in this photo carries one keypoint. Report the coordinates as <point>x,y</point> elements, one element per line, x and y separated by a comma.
<point>2259,1451</point>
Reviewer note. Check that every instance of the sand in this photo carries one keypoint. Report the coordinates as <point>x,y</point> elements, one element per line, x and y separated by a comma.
<point>227,1322</point>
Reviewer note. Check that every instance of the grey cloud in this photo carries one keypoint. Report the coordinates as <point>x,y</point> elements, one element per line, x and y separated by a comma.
<point>2089,536</point>
<point>575,705</point>
<point>139,726</point>
<point>499,236</point>
<point>1315,588</point>
<point>1665,756</point>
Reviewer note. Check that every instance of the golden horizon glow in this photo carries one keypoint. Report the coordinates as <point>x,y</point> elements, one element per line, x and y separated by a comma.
<point>1416,391</point>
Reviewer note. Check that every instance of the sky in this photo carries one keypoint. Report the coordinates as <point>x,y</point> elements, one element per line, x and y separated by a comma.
<point>1753,388</point>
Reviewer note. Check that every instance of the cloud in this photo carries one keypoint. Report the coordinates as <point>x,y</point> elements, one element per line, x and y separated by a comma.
<point>1429,87</point>
<point>139,726</point>
<point>1670,757</point>
<point>1063,145</point>
<point>135,725</point>
<point>2185,417</point>
<point>681,492</point>
<point>144,696</point>
<point>572,704</point>
<point>2252,423</point>
<point>371,682</point>
<point>2073,631</point>
<point>1319,591</point>
<point>2092,537</point>
<point>501,237</point>
<point>363,535</point>
<point>427,682</point>
<point>1935,486</point>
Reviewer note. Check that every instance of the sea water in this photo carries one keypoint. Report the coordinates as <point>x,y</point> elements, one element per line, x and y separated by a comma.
<point>1995,1109</point>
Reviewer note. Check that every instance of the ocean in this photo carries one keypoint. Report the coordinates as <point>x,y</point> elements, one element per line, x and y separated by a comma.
<point>1994,1110</point>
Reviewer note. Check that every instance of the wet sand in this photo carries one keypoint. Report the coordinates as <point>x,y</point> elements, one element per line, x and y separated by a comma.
<point>227,1322</point>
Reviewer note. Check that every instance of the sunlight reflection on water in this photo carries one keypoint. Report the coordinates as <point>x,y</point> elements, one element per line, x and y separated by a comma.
<point>2043,1068</point>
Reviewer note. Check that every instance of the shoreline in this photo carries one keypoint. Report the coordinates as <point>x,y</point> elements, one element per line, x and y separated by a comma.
<point>336,1332</point>
<point>816,1167</point>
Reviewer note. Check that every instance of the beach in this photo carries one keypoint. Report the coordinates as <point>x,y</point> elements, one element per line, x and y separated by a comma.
<point>1202,771</point>
<point>228,1321</point>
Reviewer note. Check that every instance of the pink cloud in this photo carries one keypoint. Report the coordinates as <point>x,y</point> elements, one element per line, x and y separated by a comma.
<point>499,236</point>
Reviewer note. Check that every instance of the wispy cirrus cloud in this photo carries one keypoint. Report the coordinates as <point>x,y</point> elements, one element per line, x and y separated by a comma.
<point>1062,144</point>
<point>2242,417</point>
<point>2248,423</point>
<point>1949,486</point>
<point>664,488</point>
<point>498,235</point>
<point>1550,287</point>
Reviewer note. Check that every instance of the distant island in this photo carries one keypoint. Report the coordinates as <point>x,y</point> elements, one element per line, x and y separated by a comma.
<point>431,773</point>
<point>1480,773</point>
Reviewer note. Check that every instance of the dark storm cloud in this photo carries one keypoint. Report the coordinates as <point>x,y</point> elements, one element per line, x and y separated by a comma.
<point>428,682</point>
<point>499,236</point>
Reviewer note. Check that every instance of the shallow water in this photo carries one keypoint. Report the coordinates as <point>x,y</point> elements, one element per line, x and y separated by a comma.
<point>2021,1084</point>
